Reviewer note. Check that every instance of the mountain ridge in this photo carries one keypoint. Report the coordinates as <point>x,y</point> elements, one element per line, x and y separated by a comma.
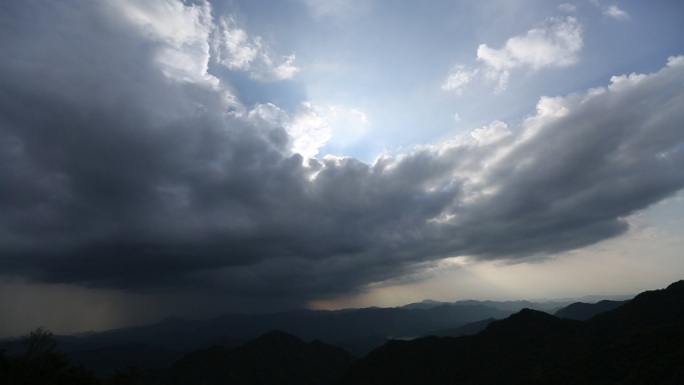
<point>638,342</point>
<point>582,311</point>
<point>273,358</point>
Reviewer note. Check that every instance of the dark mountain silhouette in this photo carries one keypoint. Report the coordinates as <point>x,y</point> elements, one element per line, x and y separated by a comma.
<point>358,331</point>
<point>464,330</point>
<point>583,311</point>
<point>640,342</point>
<point>108,360</point>
<point>274,358</point>
<point>648,309</point>
<point>504,350</point>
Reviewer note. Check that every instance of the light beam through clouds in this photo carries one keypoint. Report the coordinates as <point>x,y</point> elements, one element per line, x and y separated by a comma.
<point>131,168</point>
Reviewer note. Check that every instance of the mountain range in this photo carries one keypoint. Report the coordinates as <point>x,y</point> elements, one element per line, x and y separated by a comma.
<point>609,342</point>
<point>357,331</point>
<point>583,311</point>
<point>274,358</point>
<point>638,342</point>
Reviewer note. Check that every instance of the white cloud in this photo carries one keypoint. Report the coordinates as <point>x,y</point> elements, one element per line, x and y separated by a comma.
<point>310,130</point>
<point>183,32</point>
<point>190,36</point>
<point>494,132</point>
<point>241,51</point>
<point>622,81</point>
<point>556,44</point>
<point>169,19</point>
<point>612,11</point>
<point>235,49</point>
<point>674,61</point>
<point>312,125</point>
<point>458,79</point>
<point>285,70</point>
<point>616,13</point>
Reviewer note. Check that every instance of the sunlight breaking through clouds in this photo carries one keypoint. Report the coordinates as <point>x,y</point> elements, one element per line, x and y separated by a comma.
<point>212,149</point>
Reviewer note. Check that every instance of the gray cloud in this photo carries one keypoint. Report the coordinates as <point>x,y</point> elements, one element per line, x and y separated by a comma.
<point>115,173</point>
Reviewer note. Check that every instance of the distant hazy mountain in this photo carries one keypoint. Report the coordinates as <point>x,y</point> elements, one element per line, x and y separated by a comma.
<point>640,342</point>
<point>547,305</point>
<point>357,331</point>
<point>274,358</point>
<point>425,304</point>
<point>583,311</point>
<point>508,306</point>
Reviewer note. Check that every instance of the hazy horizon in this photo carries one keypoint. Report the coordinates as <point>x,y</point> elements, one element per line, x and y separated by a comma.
<point>590,298</point>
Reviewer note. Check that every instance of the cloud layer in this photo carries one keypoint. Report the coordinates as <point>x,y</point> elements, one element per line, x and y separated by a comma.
<point>126,164</point>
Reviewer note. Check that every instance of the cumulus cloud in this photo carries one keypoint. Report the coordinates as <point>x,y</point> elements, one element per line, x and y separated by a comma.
<point>117,175</point>
<point>555,44</point>
<point>495,131</point>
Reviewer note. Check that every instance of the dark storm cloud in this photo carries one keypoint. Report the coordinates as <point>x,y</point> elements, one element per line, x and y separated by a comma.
<point>116,172</point>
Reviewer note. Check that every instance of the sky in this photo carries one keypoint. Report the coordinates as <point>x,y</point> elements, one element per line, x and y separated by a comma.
<point>193,158</point>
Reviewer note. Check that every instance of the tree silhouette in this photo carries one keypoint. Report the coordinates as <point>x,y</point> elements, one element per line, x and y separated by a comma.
<point>42,364</point>
<point>39,342</point>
